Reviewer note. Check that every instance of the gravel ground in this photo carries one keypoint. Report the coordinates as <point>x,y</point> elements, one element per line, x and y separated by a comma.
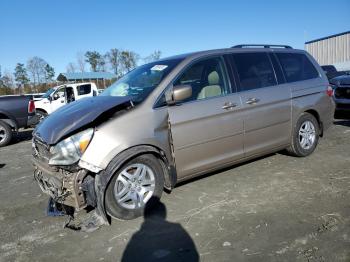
<point>276,208</point>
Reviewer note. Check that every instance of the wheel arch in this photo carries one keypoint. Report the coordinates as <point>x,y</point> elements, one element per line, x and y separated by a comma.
<point>314,113</point>
<point>8,119</point>
<point>103,178</point>
<point>41,109</point>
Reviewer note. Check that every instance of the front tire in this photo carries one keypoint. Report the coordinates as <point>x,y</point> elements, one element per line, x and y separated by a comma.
<point>305,136</point>
<point>5,134</point>
<point>133,185</point>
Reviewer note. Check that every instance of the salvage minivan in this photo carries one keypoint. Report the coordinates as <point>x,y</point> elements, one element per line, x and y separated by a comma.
<point>177,118</point>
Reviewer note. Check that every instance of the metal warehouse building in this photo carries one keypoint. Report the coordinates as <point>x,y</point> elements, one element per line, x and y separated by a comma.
<point>331,50</point>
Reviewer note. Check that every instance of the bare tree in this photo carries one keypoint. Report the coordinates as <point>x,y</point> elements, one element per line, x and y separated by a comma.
<point>81,62</point>
<point>36,67</point>
<point>70,68</point>
<point>153,57</point>
<point>113,57</point>
<point>8,80</point>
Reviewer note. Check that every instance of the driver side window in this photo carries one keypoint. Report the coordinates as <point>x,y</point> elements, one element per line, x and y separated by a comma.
<point>59,94</point>
<point>207,79</point>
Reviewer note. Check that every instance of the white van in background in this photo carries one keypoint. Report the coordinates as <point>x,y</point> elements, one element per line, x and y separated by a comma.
<point>59,96</point>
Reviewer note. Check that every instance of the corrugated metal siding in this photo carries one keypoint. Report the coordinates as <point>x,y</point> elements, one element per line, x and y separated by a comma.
<point>330,51</point>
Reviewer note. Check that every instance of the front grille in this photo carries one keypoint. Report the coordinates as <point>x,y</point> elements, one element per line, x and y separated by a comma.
<point>41,150</point>
<point>342,92</point>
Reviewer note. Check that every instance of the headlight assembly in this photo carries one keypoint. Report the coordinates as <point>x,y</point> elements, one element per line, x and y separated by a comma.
<point>70,150</point>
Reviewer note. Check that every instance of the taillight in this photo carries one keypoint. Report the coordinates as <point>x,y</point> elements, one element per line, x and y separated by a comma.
<point>329,91</point>
<point>31,107</point>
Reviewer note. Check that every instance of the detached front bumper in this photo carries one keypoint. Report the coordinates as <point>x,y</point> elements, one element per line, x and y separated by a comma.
<point>75,189</point>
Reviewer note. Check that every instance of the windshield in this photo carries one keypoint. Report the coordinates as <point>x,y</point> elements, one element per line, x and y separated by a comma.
<point>48,93</point>
<point>140,82</point>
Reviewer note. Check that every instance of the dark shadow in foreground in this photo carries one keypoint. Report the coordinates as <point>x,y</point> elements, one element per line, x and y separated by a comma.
<point>159,239</point>
<point>2,165</point>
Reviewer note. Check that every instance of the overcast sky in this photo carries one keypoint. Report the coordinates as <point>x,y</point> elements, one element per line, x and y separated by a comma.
<point>58,30</point>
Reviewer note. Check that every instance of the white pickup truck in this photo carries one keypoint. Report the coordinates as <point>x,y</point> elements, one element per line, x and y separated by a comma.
<point>58,96</point>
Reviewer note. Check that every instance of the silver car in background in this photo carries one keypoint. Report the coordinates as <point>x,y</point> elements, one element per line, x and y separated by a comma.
<point>178,118</point>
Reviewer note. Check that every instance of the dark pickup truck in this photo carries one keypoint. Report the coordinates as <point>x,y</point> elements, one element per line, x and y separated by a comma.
<point>341,92</point>
<point>332,72</point>
<point>15,112</point>
<point>340,83</point>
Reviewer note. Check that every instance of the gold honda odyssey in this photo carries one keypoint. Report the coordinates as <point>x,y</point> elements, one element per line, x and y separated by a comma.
<point>177,118</point>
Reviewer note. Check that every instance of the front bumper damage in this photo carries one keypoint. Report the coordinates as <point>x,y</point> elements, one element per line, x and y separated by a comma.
<point>75,189</point>
<point>63,186</point>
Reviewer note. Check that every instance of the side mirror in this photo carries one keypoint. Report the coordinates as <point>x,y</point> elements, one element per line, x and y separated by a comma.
<point>56,96</point>
<point>178,94</point>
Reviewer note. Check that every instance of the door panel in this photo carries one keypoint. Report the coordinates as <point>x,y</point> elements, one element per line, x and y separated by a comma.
<point>205,134</point>
<point>60,101</point>
<point>266,102</point>
<point>267,123</point>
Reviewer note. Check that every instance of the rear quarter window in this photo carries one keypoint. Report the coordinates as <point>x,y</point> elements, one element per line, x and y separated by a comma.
<point>84,89</point>
<point>297,67</point>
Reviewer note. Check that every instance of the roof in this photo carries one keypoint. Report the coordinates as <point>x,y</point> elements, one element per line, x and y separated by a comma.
<point>85,76</point>
<point>327,37</point>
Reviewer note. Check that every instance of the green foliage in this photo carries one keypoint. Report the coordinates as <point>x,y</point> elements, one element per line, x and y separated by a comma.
<point>94,59</point>
<point>113,57</point>
<point>128,60</point>
<point>49,73</point>
<point>21,75</point>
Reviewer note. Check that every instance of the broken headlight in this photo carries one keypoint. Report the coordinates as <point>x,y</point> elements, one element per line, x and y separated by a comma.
<point>70,150</point>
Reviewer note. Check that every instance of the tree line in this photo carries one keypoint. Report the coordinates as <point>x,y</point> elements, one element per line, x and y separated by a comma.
<point>38,75</point>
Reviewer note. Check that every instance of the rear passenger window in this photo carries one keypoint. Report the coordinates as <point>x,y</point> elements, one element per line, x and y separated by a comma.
<point>296,67</point>
<point>254,70</point>
<point>84,89</point>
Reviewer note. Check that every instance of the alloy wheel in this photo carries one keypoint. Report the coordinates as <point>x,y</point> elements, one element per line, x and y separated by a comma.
<point>307,135</point>
<point>134,186</point>
<point>2,134</point>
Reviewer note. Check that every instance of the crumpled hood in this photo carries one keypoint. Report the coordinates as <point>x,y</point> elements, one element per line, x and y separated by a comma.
<point>340,80</point>
<point>78,114</point>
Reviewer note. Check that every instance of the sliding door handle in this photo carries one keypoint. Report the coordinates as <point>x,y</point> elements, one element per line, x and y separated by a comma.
<point>252,101</point>
<point>229,105</point>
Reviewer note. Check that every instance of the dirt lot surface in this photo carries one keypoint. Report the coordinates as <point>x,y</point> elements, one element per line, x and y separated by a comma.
<point>277,208</point>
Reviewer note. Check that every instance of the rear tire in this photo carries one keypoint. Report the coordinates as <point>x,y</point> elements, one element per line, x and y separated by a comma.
<point>5,134</point>
<point>41,115</point>
<point>305,136</point>
<point>133,185</point>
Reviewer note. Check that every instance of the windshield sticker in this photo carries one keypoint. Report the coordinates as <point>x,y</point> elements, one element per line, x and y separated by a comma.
<point>159,67</point>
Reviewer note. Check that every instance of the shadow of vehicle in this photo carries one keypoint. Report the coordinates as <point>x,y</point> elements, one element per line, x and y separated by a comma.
<point>22,135</point>
<point>158,239</point>
<point>2,165</point>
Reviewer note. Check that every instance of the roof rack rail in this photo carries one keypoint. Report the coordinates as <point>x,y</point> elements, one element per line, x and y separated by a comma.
<point>262,45</point>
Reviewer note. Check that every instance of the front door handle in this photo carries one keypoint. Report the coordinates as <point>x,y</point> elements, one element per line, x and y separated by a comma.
<point>252,101</point>
<point>228,105</point>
